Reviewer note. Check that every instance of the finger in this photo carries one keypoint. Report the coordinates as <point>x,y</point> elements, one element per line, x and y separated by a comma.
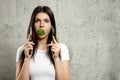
<point>31,52</point>
<point>52,50</point>
<point>29,43</point>
<point>30,49</point>
<point>54,47</point>
<point>54,40</point>
<point>29,46</point>
<point>51,44</point>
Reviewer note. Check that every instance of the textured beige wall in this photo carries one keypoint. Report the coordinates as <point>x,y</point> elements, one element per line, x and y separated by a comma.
<point>90,28</point>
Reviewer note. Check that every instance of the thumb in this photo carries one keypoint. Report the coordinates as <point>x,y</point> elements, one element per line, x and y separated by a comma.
<point>50,44</point>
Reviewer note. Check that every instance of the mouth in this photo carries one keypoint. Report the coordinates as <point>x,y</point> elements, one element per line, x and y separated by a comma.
<point>40,31</point>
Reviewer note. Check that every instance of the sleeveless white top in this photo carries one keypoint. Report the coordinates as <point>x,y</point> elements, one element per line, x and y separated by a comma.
<point>41,67</point>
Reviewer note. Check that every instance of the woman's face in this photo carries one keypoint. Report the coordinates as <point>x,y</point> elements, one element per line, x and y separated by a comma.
<point>42,21</point>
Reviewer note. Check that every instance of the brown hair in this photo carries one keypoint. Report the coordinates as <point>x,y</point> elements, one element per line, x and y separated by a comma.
<point>49,12</point>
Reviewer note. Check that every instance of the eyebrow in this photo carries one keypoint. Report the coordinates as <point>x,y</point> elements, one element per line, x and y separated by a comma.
<point>44,19</point>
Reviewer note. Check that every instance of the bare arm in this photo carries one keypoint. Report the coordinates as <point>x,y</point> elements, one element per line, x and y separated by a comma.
<point>62,69</point>
<point>23,73</point>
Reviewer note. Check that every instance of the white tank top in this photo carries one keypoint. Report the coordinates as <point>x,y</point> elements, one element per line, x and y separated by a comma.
<point>41,67</point>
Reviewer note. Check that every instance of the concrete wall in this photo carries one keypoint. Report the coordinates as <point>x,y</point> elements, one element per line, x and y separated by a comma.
<point>90,28</point>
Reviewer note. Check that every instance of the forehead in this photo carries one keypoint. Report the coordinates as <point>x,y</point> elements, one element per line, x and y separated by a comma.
<point>42,15</point>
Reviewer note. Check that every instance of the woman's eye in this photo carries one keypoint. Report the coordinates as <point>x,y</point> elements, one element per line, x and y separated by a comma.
<point>36,20</point>
<point>46,20</point>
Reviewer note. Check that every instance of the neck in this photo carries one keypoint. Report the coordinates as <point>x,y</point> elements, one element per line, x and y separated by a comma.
<point>42,43</point>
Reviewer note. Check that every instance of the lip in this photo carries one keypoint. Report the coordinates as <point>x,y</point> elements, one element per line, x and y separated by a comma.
<point>40,31</point>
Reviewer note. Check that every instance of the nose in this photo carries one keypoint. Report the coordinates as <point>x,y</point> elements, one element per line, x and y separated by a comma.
<point>41,24</point>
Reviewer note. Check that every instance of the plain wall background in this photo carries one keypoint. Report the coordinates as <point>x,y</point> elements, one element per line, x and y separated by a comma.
<point>90,29</point>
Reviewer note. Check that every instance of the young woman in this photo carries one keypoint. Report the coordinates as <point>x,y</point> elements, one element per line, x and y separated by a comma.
<point>42,57</point>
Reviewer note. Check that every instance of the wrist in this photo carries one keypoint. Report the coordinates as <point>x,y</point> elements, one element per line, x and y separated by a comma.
<point>56,58</point>
<point>27,59</point>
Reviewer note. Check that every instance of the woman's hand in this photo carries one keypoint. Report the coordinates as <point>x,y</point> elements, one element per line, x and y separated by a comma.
<point>28,48</point>
<point>55,48</point>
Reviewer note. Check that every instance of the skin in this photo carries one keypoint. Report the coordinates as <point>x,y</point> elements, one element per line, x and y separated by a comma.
<point>62,71</point>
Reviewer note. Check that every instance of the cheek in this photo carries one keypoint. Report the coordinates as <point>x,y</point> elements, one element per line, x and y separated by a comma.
<point>36,27</point>
<point>48,30</point>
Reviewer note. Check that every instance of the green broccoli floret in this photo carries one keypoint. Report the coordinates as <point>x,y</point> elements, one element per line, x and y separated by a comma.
<point>40,31</point>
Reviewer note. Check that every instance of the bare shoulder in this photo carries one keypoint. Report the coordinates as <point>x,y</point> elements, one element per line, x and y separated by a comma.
<point>19,52</point>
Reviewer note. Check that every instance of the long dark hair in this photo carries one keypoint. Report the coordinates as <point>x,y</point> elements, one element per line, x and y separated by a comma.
<point>49,12</point>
